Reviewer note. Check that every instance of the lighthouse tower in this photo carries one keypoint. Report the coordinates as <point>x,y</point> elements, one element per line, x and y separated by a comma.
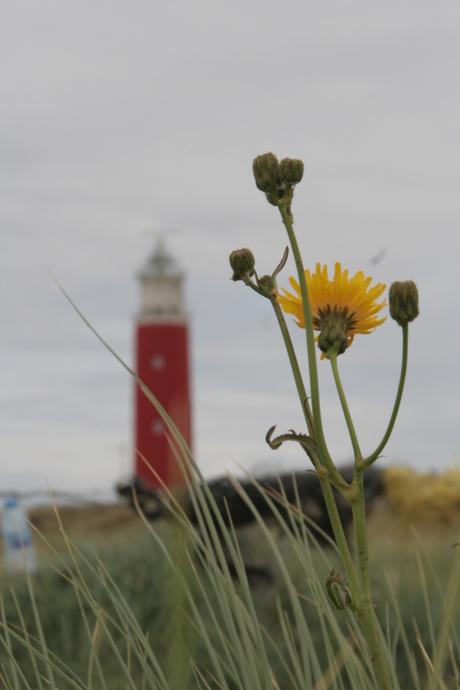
<point>162,364</point>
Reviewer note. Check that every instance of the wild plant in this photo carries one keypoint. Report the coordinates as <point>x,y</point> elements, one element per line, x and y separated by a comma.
<point>339,309</point>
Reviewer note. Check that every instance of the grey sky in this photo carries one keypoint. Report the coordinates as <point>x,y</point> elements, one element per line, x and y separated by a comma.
<point>122,116</point>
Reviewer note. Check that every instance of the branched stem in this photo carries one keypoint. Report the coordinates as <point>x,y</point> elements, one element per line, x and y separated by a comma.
<point>311,351</point>
<point>331,505</point>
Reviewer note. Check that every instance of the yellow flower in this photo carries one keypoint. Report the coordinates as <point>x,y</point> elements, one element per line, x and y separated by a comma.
<point>340,307</point>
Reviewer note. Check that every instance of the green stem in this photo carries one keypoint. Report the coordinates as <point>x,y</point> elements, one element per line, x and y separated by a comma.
<point>294,366</point>
<point>331,505</point>
<point>359,582</point>
<point>311,350</point>
<point>343,401</point>
<point>373,457</point>
<point>366,610</point>
<point>334,517</point>
<point>340,539</point>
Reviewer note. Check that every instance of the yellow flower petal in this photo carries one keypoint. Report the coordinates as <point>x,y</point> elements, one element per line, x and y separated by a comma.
<point>349,297</point>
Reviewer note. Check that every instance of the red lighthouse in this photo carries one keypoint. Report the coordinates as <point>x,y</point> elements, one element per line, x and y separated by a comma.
<point>162,364</point>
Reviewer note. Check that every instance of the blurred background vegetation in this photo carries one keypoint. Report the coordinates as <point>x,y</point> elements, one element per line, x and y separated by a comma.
<point>412,532</point>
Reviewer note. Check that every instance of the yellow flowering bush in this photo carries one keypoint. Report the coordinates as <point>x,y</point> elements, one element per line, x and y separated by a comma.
<point>423,497</point>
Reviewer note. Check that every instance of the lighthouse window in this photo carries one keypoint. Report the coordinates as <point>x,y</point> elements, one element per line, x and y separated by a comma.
<point>158,362</point>
<point>157,427</point>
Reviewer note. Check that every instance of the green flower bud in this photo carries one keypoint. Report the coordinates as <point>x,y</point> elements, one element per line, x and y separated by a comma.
<point>272,197</point>
<point>242,262</point>
<point>266,172</point>
<point>268,285</point>
<point>404,302</point>
<point>333,336</point>
<point>291,171</point>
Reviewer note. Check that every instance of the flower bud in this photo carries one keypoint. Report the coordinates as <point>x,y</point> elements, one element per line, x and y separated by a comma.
<point>268,285</point>
<point>291,171</point>
<point>404,302</point>
<point>242,262</point>
<point>266,172</point>
<point>333,336</point>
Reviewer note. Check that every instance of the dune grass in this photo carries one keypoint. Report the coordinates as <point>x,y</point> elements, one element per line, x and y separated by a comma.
<point>160,609</point>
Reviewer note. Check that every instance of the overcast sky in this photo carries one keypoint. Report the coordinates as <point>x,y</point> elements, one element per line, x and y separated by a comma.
<point>119,117</point>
